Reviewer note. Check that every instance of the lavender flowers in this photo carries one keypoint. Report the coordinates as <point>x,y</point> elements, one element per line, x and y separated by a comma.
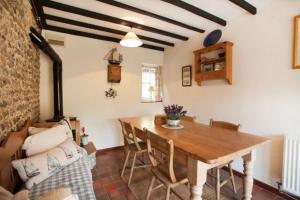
<point>174,112</point>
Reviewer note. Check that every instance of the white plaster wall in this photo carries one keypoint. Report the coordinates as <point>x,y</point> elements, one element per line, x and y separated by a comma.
<point>84,83</point>
<point>46,87</point>
<point>265,95</point>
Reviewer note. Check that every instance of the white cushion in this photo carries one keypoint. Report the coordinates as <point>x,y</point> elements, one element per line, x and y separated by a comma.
<point>37,168</point>
<point>65,122</point>
<point>45,140</point>
<point>34,130</point>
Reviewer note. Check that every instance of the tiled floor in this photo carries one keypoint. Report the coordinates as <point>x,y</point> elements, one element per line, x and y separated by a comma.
<point>108,184</point>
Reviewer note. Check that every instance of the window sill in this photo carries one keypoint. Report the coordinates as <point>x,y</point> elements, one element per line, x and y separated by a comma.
<point>151,101</point>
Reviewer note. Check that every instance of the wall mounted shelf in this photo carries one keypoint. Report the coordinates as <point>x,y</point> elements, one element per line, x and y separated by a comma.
<point>210,64</point>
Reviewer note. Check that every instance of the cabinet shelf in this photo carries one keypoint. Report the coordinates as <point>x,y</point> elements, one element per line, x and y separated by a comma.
<point>215,74</point>
<point>212,60</point>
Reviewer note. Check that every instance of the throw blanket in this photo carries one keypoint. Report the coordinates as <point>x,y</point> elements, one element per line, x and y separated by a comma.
<point>76,176</point>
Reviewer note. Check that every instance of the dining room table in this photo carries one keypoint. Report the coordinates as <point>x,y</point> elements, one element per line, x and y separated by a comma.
<point>201,147</point>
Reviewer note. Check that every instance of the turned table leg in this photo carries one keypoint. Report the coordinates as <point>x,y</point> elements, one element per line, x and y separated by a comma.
<point>197,172</point>
<point>248,172</point>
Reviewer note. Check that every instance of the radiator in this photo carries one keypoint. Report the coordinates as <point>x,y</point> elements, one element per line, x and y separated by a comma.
<point>291,166</point>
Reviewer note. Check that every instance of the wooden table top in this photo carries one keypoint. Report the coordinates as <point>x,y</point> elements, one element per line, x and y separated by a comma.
<point>208,144</point>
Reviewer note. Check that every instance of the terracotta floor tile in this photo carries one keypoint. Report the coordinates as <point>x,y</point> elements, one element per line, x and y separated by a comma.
<point>102,197</point>
<point>263,194</point>
<point>100,191</point>
<point>278,198</point>
<point>104,181</point>
<point>121,184</point>
<point>97,184</point>
<point>109,185</point>
<point>115,194</point>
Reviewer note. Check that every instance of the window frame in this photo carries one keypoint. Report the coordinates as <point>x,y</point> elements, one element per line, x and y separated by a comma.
<point>149,66</point>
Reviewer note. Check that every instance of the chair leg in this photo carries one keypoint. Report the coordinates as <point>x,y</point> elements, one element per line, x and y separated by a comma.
<point>218,186</point>
<point>125,163</point>
<point>150,187</point>
<point>132,167</point>
<point>212,172</point>
<point>168,193</point>
<point>232,177</point>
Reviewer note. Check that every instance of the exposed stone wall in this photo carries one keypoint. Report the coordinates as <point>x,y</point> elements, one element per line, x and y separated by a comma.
<point>19,66</point>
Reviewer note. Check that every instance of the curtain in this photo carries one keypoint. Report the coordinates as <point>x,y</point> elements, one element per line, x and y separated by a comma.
<point>158,84</point>
<point>151,83</point>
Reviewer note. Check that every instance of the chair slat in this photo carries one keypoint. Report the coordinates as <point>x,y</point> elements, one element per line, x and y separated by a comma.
<point>162,166</point>
<point>229,126</point>
<point>226,125</point>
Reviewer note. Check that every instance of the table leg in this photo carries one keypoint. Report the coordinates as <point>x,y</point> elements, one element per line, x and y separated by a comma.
<point>197,172</point>
<point>248,172</point>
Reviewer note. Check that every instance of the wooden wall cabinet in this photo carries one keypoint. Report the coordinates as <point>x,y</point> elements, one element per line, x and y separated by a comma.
<point>75,125</point>
<point>208,58</point>
<point>114,73</point>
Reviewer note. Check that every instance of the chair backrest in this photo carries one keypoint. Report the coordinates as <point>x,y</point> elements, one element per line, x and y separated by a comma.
<point>166,164</point>
<point>130,140</point>
<point>189,118</point>
<point>226,125</point>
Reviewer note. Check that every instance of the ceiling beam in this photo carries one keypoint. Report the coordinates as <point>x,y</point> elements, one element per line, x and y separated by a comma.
<point>101,28</point>
<point>196,11</point>
<point>245,5</point>
<point>150,14</point>
<point>99,16</point>
<point>39,40</point>
<point>96,36</point>
<point>39,12</point>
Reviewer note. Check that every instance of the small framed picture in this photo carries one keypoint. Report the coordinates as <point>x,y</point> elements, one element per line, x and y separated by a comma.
<point>207,67</point>
<point>187,76</point>
<point>219,66</point>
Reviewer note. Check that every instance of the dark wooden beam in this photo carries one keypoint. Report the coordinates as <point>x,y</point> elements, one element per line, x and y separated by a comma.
<point>39,40</point>
<point>197,11</point>
<point>99,16</point>
<point>150,14</point>
<point>96,36</point>
<point>38,12</point>
<point>245,5</point>
<point>101,28</point>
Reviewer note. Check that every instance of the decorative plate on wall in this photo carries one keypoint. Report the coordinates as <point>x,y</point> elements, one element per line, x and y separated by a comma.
<point>212,38</point>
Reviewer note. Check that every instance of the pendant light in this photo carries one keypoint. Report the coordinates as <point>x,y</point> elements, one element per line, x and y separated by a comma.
<point>131,40</point>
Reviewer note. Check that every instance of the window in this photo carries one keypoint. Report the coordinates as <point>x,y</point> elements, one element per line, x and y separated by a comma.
<point>151,83</point>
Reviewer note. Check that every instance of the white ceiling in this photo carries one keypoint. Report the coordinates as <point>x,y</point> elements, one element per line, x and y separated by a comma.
<point>221,8</point>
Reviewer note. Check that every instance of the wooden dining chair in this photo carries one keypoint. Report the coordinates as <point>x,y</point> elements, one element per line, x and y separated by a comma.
<point>132,147</point>
<point>189,118</point>
<point>217,176</point>
<point>163,169</point>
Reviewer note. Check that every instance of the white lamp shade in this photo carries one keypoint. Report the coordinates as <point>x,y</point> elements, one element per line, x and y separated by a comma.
<point>131,40</point>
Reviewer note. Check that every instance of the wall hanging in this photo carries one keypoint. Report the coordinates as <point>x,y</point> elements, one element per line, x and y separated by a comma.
<point>111,93</point>
<point>114,59</point>
<point>114,69</point>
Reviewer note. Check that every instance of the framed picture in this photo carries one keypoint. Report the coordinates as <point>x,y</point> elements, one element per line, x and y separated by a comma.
<point>187,76</point>
<point>219,66</point>
<point>207,67</point>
